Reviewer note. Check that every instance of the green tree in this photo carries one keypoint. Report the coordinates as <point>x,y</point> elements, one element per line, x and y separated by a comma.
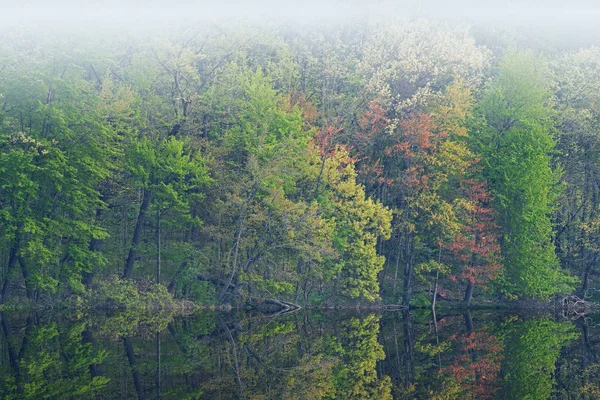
<point>515,141</point>
<point>168,173</point>
<point>359,222</point>
<point>55,150</point>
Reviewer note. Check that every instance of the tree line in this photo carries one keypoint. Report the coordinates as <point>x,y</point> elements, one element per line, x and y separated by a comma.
<point>397,162</point>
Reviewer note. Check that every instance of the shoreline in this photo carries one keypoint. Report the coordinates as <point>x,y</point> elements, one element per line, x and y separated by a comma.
<point>187,307</point>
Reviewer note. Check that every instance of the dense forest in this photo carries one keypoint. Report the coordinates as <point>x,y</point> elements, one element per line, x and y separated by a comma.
<point>365,163</point>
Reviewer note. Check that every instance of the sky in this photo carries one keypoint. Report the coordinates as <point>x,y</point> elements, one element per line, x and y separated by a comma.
<point>575,13</point>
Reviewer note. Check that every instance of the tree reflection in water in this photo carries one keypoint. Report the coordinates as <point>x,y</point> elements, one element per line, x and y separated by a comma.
<point>303,355</point>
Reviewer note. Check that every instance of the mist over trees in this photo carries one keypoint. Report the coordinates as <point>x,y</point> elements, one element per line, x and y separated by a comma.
<point>395,162</point>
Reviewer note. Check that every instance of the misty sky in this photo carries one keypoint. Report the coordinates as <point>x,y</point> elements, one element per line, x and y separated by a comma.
<point>82,12</point>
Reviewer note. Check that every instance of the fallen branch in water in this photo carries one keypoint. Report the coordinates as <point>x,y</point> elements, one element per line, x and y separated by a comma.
<point>284,305</point>
<point>574,307</point>
<point>394,307</point>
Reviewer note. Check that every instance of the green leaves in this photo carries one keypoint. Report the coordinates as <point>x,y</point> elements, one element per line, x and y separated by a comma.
<point>263,128</point>
<point>532,349</point>
<point>516,145</point>
<point>359,222</point>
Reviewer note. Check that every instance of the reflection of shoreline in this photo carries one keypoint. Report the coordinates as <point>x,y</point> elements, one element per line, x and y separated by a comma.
<point>303,355</point>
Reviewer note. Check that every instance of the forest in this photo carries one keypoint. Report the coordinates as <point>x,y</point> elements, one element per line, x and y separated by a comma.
<point>358,164</point>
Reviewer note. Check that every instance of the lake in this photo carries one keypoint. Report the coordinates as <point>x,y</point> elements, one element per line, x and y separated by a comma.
<point>300,355</point>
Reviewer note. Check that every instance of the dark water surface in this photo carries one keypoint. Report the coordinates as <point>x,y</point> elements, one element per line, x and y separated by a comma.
<point>303,355</point>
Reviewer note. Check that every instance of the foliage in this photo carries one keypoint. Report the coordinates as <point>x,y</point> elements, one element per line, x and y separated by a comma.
<point>56,364</point>
<point>516,144</point>
<point>357,377</point>
<point>532,350</point>
<point>345,164</point>
<point>115,293</point>
<point>477,371</point>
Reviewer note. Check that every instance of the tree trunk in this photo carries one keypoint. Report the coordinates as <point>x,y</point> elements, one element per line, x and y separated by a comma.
<point>12,354</point>
<point>172,284</point>
<point>319,177</point>
<point>158,366</point>
<point>88,338</point>
<point>235,262</point>
<point>158,246</point>
<point>408,272</point>
<point>5,286</point>
<point>468,294</point>
<point>407,283</point>
<point>132,364</point>
<point>305,292</point>
<point>468,321</point>
<point>25,272</point>
<point>137,234</point>
<point>93,246</point>
<point>12,261</point>
<point>435,284</point>
<point>236,245</point>
<point>409,348</point>
<point>236,367</point>
<point>586,276</point>
<point>397,267</point>
<point>435,289</point>
<point>407,286</point>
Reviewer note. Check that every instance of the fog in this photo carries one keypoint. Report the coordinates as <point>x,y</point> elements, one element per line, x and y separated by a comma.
<point>128,13</point>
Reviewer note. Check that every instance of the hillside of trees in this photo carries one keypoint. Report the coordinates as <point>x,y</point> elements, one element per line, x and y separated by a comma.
<point>360,164</point>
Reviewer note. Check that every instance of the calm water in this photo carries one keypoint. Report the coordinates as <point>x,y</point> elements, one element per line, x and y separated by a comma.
<point>304,355</point>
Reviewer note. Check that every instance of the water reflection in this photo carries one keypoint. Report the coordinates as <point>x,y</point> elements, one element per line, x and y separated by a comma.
<point>304,355</point>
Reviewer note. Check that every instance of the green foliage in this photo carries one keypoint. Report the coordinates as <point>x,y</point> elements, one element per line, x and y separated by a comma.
<point>431,266</point>
<point>263,126</point>
<point>47,374</point>
<point>55,149</point>
<point>532,349</point>
<point>115,293</point>
<point>200,292</point>
<point>358,223</point>
<point>420,300</point>
<point>303,355</point>
<point>356,377</point>
<point>517,145</point>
